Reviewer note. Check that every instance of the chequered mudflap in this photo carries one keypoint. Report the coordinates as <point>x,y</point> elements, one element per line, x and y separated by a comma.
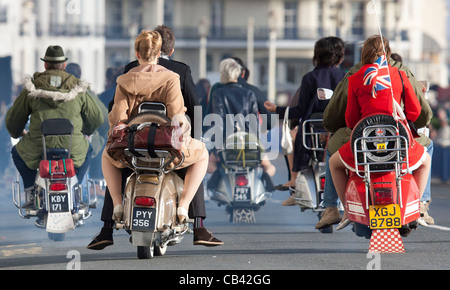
<point>386,241</point>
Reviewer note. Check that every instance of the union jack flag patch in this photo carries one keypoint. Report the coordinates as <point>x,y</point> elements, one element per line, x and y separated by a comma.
<point>377,75</point>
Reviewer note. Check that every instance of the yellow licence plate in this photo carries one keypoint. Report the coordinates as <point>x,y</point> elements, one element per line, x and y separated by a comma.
<point>385,216</point>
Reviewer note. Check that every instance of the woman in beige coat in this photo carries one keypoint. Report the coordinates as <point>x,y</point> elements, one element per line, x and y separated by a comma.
<point>152,82</point>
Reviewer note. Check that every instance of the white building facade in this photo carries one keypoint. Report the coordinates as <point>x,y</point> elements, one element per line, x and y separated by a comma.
<point>100,34</point>
<point>416,29</point>
<point>29,27</point>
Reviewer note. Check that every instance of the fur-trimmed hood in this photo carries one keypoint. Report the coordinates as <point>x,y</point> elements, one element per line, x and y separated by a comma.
<point>54,86</point>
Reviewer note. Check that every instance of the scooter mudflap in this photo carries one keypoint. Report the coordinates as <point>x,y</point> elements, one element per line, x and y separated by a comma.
<point>59,222</point>
<point>386,241</point>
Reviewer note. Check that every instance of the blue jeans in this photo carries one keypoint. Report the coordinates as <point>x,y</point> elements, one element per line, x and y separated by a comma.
<point>330,197</point>
<point>29,175</point>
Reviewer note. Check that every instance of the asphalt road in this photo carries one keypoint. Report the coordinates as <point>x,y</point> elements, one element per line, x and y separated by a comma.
<point>283,238</point>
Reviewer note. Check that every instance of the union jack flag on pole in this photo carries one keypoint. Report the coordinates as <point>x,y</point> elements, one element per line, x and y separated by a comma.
<point>378,76</point>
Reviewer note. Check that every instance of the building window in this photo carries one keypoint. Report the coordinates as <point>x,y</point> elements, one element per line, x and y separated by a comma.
<point>357,18</point>
<point>217,18</point>
<point>135,12</point>
<point>290,19</point>
<point>169,7</point>
<point>3,13</point>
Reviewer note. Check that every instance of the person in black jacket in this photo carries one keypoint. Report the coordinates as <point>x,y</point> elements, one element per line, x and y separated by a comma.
<point>197,206</point>
<point>230,99</point>
<point>328,54</point>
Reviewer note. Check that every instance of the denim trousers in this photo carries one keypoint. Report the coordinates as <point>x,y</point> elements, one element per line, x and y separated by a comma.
<point>330,197</point>
<point>29,175</point>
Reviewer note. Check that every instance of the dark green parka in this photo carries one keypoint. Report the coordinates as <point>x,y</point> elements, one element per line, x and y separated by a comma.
<point>47,95</point>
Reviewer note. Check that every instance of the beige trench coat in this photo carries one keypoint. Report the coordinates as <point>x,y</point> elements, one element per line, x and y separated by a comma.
<point>157,84</point>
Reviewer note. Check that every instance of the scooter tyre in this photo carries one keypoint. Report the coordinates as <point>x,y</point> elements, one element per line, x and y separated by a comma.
<point>362,230</point>
<point>144,252</point>
<point>57,237</point>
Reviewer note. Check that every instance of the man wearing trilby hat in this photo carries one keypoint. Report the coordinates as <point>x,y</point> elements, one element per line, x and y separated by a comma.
<point>47,95</point>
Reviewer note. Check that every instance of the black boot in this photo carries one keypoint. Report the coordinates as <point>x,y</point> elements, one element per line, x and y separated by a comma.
<point>102,240</point>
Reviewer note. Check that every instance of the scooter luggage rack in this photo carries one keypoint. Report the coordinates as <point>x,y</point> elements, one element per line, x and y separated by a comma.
<point>315,135</point>
<point>397,162</point>
<point>162,155</point>
<point>241,160</point>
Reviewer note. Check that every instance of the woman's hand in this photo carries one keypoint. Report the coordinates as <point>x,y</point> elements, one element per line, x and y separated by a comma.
<point>271,107</point>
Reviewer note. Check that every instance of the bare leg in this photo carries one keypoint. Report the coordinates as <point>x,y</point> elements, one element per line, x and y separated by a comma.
<point>113,178</point>
<point>268,166</point>
<point>194,177</point>
<point>340,178</point>
<point>290,158</point>
<point>421,174</point>
<point>212,165</point>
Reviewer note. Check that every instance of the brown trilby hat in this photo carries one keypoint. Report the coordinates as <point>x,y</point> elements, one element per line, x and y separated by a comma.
<point>55,54</point>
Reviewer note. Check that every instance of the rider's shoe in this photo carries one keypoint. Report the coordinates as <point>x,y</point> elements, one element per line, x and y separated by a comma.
<point>330,216</point>
<point>102,240</point>
<point>40,223</point>
<point>204,237</point>
<point>29,195</point>
<point>118,213</point>
<point>424,207</point>
<point>281,187</point>
<point>343,224</point>
<point>289,202</point>
<point>182,214</point>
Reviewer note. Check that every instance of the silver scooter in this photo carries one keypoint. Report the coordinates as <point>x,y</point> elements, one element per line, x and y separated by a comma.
<point>152,192</point>
<point>240,182</point>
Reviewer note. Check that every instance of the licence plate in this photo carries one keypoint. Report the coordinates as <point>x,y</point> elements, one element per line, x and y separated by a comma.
<point>385,216</point>
<point>143,219</point>
<point>59,202</point>
<point>242,193</point>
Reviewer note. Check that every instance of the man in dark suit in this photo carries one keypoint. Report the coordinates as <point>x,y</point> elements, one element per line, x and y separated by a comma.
<point>197,207</point>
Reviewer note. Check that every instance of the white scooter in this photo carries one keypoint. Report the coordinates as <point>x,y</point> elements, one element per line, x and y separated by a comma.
<point>57,198</point>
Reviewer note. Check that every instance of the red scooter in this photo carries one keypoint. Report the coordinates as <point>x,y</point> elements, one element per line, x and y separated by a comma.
<point>382,195</point>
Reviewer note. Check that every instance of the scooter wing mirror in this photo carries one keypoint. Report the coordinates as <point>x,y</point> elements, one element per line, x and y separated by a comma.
<point>324,94</point>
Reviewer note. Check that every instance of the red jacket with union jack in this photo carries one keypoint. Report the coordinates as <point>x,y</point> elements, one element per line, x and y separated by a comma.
<point>361,101</point>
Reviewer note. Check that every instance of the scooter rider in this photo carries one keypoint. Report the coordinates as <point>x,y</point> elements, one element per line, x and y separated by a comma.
<point>197,207</point>
<point>334,121</point>
<point>364,101</point>
<point>51,94</point>
<point>232,99</point>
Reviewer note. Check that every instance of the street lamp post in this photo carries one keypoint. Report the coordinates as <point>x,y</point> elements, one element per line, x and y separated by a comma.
<point>133,31</point>
<point>250,47</point>
<point>271,90</point>
<point>203,30</point>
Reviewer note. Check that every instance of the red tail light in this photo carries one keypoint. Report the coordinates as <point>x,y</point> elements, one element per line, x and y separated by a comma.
<point>58,186</point>
<point>383,196</point>
<point>241,180</point>
<point>144,201</point>
<point>322,183</point>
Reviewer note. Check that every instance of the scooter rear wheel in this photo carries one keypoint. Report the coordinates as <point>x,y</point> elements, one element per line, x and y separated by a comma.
<point>144,252</point>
